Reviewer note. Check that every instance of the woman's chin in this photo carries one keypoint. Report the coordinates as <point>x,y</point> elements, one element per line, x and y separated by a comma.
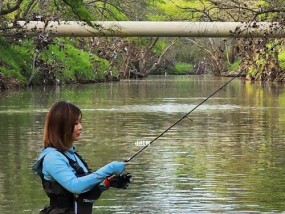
<point>76,139</point>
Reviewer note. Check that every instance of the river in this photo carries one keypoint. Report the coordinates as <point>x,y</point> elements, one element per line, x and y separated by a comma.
<point>228,156</point>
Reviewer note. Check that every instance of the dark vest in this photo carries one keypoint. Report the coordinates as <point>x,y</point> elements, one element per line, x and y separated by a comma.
<point>61,199</point>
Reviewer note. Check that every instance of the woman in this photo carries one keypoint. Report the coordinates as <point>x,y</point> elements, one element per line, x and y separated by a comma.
<point>66,179</point>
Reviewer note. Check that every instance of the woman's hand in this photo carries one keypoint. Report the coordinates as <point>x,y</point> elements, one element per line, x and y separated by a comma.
<point>118,181</point>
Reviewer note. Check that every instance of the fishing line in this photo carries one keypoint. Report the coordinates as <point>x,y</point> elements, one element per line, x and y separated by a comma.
<point>193,109</point>
<point>184,116</point>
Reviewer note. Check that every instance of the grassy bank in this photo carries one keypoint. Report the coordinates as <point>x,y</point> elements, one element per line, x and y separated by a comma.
<point>181,68</point>
<point>62,61</point>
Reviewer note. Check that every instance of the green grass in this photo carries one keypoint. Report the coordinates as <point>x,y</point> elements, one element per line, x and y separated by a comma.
<point>182,68</point>
<point>235,65</point>
<point>74,63</point>
<point>69,63</point>
<point>15,59</point>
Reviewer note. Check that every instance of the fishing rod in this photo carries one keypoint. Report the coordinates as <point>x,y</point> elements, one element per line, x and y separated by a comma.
<point>193,109</point>
<point>184,116</point>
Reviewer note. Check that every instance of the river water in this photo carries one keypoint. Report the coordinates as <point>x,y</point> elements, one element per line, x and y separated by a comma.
<point>228,156</point>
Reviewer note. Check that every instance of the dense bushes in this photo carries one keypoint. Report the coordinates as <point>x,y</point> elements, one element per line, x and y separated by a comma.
<point>181,68</point>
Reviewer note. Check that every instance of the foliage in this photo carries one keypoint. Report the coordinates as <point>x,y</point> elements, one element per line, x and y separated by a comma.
<point>235,65</point>
<point>15,58</point>
<point>281,58</point>
<point>160,46</point>
<point>182,68</point>
<point>71,64</point>
<point>112,10</point>
<point>74,8</point>
<point>145,54</point>
<point>66,63</point>
<point>169,10</point>
<point>260,59</point>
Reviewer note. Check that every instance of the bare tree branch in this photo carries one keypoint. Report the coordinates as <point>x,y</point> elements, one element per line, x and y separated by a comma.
<point>156,64</point>
<point>1,4</point>
<point>29,6</point>
<point>11,9</point>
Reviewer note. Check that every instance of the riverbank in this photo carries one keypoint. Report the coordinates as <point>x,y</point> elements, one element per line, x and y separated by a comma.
<point>9,83</point>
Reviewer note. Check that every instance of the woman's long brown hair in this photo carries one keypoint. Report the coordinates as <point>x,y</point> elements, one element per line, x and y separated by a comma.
<point>59,125</point>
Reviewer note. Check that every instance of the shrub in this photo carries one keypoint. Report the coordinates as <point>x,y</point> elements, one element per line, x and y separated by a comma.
<point>15,59</point>
<point>182,68</point>
<point>235,65</point>
<point>281,58</point>
<point>72,64</point>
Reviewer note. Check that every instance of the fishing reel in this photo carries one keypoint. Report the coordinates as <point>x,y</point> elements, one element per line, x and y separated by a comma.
<point>120,181</point>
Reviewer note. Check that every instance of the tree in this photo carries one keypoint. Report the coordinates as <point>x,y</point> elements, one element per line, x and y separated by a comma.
<point>139,56</point>
<point>223,52</point>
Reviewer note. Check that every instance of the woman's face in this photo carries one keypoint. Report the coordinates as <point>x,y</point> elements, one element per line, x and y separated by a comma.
<point>77,130</point>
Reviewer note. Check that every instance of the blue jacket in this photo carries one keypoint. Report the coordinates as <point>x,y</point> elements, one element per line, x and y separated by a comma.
<point>56,167</point>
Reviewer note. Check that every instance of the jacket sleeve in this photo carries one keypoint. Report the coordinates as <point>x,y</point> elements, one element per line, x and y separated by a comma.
<point>56,167</point>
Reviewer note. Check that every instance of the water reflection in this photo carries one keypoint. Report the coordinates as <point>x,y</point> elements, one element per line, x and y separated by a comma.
<point>227,157</point>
